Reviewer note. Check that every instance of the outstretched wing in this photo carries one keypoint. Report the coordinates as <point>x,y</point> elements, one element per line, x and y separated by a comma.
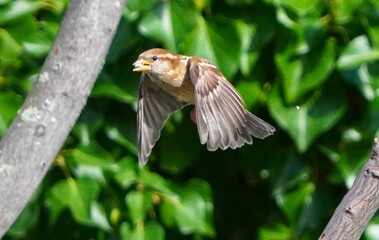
<point>154,108</point>
<point>221,119</point>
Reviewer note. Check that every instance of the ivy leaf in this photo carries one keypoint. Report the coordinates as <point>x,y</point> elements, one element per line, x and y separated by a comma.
<point>77,195</point>
<point>18,9</point>
<point>275,232</point>
<point>168,22</point>
<point>154,231</point>
<point>192,210</point>
<point>358,52</point>
<point>10,49</point>
<point>211,42</point>
<point>358,64</point>
<point>138,202</point>
<point>305,122</point>
<point>303,62</point>
<point>9,104</point>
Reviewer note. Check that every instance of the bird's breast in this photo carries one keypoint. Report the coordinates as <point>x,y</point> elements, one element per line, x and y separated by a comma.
<point>185,92</point>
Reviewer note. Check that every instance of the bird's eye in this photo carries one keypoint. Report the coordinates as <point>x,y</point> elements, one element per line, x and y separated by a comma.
<point>155,58</point>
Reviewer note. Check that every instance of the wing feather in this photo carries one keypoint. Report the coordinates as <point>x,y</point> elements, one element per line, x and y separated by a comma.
<point>154,108</point>
<point>221,118</point>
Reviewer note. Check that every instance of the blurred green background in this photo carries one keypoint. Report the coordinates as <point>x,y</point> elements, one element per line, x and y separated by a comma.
<point>310,68</point>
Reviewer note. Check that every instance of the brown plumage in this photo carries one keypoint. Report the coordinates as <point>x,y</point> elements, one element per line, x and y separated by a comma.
<point>170,81</point>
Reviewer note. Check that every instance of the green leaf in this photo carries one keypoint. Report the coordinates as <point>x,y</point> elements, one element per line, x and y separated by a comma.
<point>158,183</point>
<point>358,52</point>
<point>27,219</point>
<point>212,42</point>
<point>365,78</point>
<point>99,216</point>
<point>154,231</point>
<point>250,92</point>
<point>151,231</point>
<point>55,207</point>
<point>92,155</point>
<point>372,230</point>
<point>18,9</point>
<point>168,23</point>
<point>300,7</point>
<point>77,195</point>
<point>126,232</point>
<point>277,231</point>
<point>126,174</point>
<point>9,105</point>
<point>248,57</point>
<point>177,159</point>
<point>137,5</point>
<point>192,211</point>
<point>139,203</point>
<point>292,202</point>
<point>304,68</point>
<point>190,214</point>
<point>344,11</point>
<point>306,121</point>
<point>114,134</point>
<point>10,50</point>
<point>107,89</point>
<point>167,211</point>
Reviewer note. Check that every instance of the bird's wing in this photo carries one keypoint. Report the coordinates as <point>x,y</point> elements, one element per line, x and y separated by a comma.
<point>221,119</point>
<point>154,108</point>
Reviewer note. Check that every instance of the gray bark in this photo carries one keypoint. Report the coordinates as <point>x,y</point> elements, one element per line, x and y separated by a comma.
<point>359,204</point>
<point>52,107</point>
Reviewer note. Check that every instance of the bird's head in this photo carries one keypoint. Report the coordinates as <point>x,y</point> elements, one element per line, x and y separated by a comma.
<point>153,61</point>
<point>156,62</point>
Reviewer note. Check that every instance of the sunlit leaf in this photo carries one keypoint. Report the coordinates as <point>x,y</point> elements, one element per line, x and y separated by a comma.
<point>126,173</point>
<point>158,183</point>
<point>138,203</point>
<point>300,7</point>
<point>154,231</point>
<point>275,232</point>
<point>358,52</point>
<point>106,89</point>
<point>10,50</point>
<point>91,155</point>
<point>99,216</point>
<point>212,42</point>
<point>77,195</point>
<point>18,9</point>
<point>168,22</point>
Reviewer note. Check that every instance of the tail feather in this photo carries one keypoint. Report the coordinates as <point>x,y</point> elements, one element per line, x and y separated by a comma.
<point>257,127</point>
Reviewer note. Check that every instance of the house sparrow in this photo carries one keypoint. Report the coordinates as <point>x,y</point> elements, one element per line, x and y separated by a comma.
<point>170,81</point>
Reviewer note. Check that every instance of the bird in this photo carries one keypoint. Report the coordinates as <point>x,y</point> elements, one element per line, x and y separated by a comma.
<point>171,81</point>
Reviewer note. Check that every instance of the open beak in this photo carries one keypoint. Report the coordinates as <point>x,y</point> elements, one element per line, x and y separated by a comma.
<point>141,65</point>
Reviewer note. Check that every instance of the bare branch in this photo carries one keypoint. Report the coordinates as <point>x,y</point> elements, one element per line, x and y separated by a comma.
<point>359,204</point>
<point>54,104</point>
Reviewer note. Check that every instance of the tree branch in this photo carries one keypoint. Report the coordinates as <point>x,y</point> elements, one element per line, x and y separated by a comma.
<point>359,204</point>
<point>52,107</point>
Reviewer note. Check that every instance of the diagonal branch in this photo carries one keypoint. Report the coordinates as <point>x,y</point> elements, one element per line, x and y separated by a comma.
<point>359,204</point>
<point>54,104</point>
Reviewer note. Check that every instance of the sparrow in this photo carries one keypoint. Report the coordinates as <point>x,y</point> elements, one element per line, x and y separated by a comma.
<point>171,81</point>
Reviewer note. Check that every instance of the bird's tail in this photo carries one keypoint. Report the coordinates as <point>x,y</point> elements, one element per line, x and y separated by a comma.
<point>257,127</point>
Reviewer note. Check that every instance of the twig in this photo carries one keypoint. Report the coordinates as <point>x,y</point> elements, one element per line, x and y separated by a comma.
<point>359,204</point>
<point>52,107</point>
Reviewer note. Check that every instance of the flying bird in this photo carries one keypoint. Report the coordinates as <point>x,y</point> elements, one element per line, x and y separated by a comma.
<point>171,81</point>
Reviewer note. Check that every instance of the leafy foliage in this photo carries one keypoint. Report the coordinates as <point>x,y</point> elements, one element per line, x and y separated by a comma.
<point>313,64</point>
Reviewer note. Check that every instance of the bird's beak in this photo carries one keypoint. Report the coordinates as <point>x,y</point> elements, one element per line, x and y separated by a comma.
<point>141,65</point>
